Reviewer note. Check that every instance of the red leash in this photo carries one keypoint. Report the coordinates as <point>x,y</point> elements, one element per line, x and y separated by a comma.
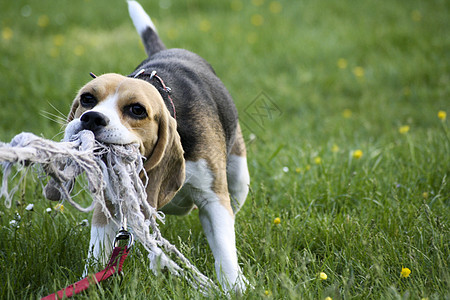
<point>115,265</point>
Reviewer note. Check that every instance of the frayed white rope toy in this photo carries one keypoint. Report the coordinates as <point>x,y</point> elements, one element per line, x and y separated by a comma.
<point>112,173</point>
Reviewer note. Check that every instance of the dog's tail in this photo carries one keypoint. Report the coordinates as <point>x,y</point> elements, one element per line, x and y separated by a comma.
<point>145,28</point>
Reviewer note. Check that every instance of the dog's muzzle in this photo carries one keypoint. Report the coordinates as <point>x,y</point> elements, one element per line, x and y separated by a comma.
<point>93,121</point>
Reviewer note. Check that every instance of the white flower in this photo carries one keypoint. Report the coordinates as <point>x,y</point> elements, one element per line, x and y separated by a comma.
<point>29,207</point>
<point>14,223</point>
<point>285,169</point>
<point>48,210</point>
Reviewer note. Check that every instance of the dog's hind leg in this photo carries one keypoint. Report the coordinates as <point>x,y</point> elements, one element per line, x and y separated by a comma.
<point>237,172</point>
<point>210,194</point>
<point>218,225</point>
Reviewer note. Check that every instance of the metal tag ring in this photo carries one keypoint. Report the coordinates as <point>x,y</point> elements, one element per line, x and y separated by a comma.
<point>123,235</point>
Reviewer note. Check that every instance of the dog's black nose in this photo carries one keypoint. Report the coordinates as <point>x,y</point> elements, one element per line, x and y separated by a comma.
<point>93,121</point>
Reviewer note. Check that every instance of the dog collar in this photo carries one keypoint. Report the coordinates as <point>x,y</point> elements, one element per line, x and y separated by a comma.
<point>166,89</point>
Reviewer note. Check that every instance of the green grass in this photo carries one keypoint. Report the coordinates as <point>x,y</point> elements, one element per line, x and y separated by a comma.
<point>358,220</point>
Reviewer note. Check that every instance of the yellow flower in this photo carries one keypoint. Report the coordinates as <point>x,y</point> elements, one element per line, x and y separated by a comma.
<point>7,33</point>
<point>416,16</point>
<point>58,40</point>
<point>257,20</point>
<point>205,25</point>
<point>275,7</point>
<point>298,170</point>
<point>442,115</point>
<point>357,154</point>
<point>347,113</point>
<point>276,221</point>
<point>267,292</point>
<point>335,148</point>
<point>342,63</point>
<point>323,276</point>
<point>328,298</point>
<point>79,50</point>
<point>59,207</point>
<point>318,160</point>
<point>425,195</point>
<point>403,129</point>
<point>358,71</point>
<point>43,21</point>
<point>405,272</point>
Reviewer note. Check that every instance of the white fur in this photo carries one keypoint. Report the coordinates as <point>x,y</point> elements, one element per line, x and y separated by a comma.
<point>218,226</point>
<point>101,244</point>
<point>196,189</point>
<point>238,180</point>
<point>216,219</point>
<point>114,133</point>
<point>140,18</point>
<point>217,222</point>
<point>199,180</point>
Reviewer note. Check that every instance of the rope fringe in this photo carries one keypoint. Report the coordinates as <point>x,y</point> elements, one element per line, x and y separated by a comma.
<point>112,173</point>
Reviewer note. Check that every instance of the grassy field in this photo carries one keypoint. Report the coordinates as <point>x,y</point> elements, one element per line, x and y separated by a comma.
<point>339,102</point>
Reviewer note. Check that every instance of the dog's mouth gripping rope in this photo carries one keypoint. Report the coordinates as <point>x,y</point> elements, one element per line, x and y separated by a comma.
<point>112,174</point>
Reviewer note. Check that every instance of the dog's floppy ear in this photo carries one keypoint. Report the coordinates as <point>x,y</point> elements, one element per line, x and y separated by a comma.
<point>165,166</point>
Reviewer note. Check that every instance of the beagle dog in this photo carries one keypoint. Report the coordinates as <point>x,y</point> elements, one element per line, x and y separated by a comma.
<point>189,134</point>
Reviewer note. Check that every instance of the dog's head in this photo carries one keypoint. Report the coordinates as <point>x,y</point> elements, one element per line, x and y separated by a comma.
<point>122,110</point>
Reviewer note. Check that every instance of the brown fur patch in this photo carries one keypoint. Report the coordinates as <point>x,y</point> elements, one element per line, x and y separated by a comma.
<point>99,218</point>
<point>239,144</point>
<point>157,134</point>
<point>165,166</point>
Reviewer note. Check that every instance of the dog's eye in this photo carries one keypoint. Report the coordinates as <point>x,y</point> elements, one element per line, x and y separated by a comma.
<point>88,100</point>
<point>137,111</point>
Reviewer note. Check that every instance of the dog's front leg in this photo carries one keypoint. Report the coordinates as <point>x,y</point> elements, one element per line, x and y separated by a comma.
<point>103,233</point>
<point>218,225</point>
